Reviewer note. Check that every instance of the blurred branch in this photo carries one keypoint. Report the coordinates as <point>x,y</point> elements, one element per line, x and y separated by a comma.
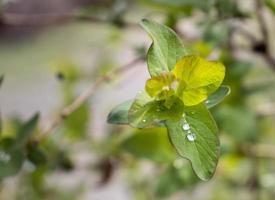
<point>265,34</point>
<point>16,19</point>
<point>82,98</point>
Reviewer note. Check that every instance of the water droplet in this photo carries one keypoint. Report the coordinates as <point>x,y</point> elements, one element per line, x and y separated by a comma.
<point>144,120</point>
<point>191,137</point>
<point>207,101</point>
<point>185,127</point>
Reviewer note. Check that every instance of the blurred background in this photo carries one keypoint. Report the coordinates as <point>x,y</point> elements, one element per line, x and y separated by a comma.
<point>51,51</point>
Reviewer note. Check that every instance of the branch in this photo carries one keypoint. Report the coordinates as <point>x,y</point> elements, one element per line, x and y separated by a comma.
<point>82,98</point>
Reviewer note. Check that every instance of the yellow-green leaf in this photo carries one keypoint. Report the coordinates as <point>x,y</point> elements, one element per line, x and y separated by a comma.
<point>198,78</point>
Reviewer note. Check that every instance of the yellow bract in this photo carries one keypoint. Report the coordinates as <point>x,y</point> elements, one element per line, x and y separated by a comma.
<point>200,78</point>
<point>192,80</point>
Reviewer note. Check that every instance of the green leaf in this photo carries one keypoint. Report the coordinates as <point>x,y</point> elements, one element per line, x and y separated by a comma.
<point>11,159</point>
<point>76,123</point>
<point>10,162</point>
<point>166,49</point>
<point>146,112</point>
<point>203,151</point>
<point>119,114</point>
<point>152,144</point>
<point>217,96</point>
<point>25,132</point>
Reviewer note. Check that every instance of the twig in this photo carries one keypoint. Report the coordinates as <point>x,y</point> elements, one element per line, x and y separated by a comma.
<point>82,98</point>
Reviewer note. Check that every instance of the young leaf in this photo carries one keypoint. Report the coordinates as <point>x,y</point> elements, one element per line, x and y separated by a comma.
<point>217,96</point>
<point>152,144</point>
<point>166,49</point>
<point>26,131</point>
<point>195,138</point>
<point>198,78</point>
<point>146,112</point>
<point>119,114</point>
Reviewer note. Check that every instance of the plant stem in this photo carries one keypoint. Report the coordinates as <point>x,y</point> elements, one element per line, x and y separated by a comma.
<point>82,98</point>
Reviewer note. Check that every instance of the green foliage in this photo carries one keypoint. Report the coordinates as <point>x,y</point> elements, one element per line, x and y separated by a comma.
<point>271,5</point>
<point>174,96</point>
<point>175,177</point>
<point>217,97</point>
<point>198,142</point>
<point>152,144</point>
<point>158,57</point>
<point>119,114</point>
<point>12,150</point>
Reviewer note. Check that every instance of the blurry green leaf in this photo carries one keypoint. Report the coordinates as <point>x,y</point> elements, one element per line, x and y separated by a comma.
<point>66,70</point>
<point>10,162</point>
<point>181,5</point>
<point>76,123</point>
<point>217,96</point>
<point>238,121</point>
<point>36,155</point>
<point>152,144</point>
<point>175,178</point>
<point>195,138</point>
<point>270,4</point>
<point>11,159</point>
<point>228,8</point>
<point>119,114</point>
<point>146,112</point>
<point>166,49</point>
<point>25,131</point>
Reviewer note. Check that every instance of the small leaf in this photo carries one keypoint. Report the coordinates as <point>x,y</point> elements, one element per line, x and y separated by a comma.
<point>26,131</point>
<point>119,114</point>
<point>147,112</point>
<point>217,96</point>
<point>166,49</point>
<point>198,142</point>
<point>198,78</point>
<point>152,144</point>
<point>76,123</point>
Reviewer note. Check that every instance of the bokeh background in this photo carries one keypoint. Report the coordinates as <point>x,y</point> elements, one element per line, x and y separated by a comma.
<point>51,51</point>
